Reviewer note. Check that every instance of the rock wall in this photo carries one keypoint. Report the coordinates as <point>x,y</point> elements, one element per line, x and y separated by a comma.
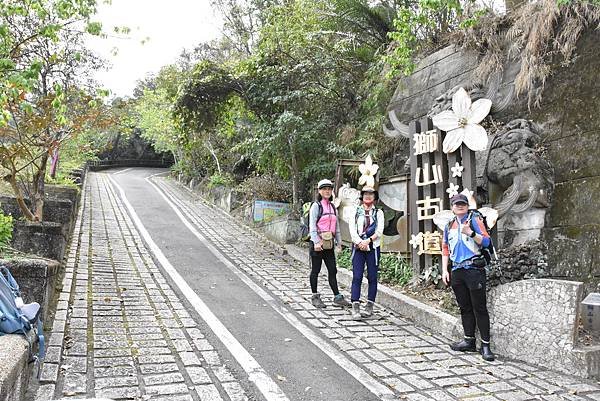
<point>536,321</point>
<point>570,125</point>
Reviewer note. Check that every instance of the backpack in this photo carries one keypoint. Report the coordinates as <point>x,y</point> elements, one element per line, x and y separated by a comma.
<point>488,252</point>
<point>19,318</point>
<point>305,219</point>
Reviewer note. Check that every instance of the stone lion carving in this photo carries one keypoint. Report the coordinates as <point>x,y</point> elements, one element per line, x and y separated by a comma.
<point>516,165</point>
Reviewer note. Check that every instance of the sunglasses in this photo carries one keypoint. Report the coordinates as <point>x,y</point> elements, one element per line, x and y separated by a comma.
<point>460,204</point>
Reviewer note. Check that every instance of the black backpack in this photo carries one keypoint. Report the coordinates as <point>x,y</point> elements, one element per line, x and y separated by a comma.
<point>488,252</point>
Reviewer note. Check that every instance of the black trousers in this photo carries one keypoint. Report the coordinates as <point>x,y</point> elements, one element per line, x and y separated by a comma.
<point>316,261</point>
<point>469,286</point>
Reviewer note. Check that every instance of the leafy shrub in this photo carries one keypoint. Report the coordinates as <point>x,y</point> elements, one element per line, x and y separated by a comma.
<point>344,258</point>
<point>6,229</point>
<point>266,187</point>
<point>393,268</point>
<point>220,180</point>
<point>432,275</point>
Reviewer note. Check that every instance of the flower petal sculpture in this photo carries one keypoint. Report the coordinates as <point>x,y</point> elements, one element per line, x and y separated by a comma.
<point>457,170</point>
<point>462,122</point>
<point>452,190</point>
<point>368,171</point>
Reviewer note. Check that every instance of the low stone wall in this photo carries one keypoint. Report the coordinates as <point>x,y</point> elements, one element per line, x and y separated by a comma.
<point>14,367</point>
<point>48,238</point>
<point>536,321</point>
<point>282,230</point>
<point>45,239</point>
<point>37,280</point>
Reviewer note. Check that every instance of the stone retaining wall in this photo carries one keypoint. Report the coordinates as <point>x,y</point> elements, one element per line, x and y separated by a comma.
<point>14,368</point>
<point>536,321</point>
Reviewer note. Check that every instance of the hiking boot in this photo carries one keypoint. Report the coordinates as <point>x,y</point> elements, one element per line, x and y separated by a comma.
<point>356,311</point>
<point>316,301</point>
<point>465,345</point>
<point>340,301</point>
<point>368,312</point>
<point>486,352</point>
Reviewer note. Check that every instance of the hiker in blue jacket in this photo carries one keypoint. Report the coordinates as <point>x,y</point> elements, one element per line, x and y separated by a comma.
<point>366,231</point>
<point>462,243</point>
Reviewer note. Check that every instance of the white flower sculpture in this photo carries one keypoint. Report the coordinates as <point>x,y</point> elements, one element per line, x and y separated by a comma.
<point>416,240</point>
<point>462,122</point>
<point>452,190</point>
<point>368,171</point>
<point>457,170</point>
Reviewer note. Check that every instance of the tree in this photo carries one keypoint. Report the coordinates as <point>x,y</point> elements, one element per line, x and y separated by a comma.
<point>43,63</point>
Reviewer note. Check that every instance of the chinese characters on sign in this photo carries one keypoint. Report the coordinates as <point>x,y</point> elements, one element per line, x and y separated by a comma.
<point>427,242</point>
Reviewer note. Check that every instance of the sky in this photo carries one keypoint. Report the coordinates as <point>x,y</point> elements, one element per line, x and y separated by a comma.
<point>169,27</point>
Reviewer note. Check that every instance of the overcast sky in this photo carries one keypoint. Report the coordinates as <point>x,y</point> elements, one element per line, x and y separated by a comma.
<point>170,25</point>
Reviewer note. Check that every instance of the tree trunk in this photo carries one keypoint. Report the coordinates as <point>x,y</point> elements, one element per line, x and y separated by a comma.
<point>295,174</point>
<point>12,179</point>
<point>38,188</point>
<point>212,152</point>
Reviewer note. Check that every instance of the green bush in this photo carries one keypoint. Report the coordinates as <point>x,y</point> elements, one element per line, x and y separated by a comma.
<point>393,268</point>
<point>6,229</point>
<point>266,187</point>
<point>344,258</point>
<point>220,180</point>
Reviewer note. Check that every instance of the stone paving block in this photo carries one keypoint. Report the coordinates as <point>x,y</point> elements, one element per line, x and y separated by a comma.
<point>115,371</point>
<point>150,359</point>
<point>208,392</point>
<point>119,381</point>
<point>518,395</point>
<point>528,387</point>
<point>464,392</point>
<point>49,373</point>
<point>111,353</point>
<point>164,378</point>
<point>153,351</point>
<point>418,382</point>
<point>223,373</point>
<point>449,381</point>
<point>398,385</point>
<point>191,359</point>
<point>439,395</point>
<point>119,393</point>
<point>45,392</point>
<point>74,383</point>
<point>76,364</point>
<point>115,361</point>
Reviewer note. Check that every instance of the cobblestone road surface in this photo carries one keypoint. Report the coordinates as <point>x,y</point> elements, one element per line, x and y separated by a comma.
<point>122,332</point>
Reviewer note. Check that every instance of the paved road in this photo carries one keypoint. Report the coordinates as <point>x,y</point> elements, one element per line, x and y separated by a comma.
<point>166,297</point>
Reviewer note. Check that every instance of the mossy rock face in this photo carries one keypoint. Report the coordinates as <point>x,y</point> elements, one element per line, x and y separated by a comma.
<point>576,203</point>
<point>573,251</point>
<point>576,157</point>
